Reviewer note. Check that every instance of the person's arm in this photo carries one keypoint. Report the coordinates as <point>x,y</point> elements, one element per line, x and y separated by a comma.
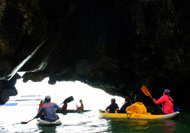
<point>39,113</point>
<point>107,109</point>
<point>160,100</point>
<point>64,107</point>
<point>57,107</point>
<point>117,108</point>
<point>82,106</point>
<point>121,109</point>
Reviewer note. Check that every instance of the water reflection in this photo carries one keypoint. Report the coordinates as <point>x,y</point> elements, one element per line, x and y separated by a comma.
<point>127,125</point>
<point>169,125</point>
<point>47,129</point>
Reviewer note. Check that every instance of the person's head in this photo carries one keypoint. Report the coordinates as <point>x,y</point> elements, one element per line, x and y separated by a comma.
<point>167,92</point>
<point>127,99</point>
<point>112,100</point>
<point>138,98</point>
<point>80,100</point>
<point>47,98</point>
<point>42,101</point>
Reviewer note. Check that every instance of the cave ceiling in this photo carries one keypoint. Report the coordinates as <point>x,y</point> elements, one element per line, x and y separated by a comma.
<point>115,45</point>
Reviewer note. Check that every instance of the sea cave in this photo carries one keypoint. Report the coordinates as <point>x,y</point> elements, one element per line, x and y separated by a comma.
<point>117,46</point>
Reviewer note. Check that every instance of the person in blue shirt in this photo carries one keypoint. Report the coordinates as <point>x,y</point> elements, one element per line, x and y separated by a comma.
<point>49,110</point>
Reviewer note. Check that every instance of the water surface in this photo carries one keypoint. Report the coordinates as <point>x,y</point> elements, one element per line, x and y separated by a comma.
<point>11,117</point>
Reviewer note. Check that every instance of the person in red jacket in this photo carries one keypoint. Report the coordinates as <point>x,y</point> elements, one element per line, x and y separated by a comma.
<point>166,101</point>
<point>42,102</point>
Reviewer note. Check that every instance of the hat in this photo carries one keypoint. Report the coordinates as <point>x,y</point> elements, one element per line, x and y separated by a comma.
<point>167,91</point>
<point>47,97</point>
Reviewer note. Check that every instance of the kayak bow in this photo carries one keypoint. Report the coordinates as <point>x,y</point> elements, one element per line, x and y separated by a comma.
<point>43,122</point>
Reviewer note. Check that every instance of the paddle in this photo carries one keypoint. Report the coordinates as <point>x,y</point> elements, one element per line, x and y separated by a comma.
<point>68,100</point>
<point>147,93</point>
<point>25,122</point>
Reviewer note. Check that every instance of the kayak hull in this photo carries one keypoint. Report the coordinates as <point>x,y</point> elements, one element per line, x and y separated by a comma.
<point>43,122</point>
<point>147,116</point>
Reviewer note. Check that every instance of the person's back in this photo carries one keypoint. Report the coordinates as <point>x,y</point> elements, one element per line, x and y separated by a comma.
<point>113,107</point>
<point>81,107</point>
<point>125,105</point>
<point>49,111</point>
<point>138,107</point>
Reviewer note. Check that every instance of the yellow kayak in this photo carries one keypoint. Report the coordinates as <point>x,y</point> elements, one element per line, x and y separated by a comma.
<point>147,116</point>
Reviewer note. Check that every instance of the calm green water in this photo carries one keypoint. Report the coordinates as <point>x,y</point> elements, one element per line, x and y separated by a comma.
<point>10,118</point>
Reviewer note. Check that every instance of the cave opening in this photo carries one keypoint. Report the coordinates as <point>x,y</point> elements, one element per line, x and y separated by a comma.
<point>93,98</point>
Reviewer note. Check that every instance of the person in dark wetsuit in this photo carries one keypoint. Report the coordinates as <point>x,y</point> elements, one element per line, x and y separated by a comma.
<point>113,107</point>
<point>125,105</point>
<point>64,107</point>
<point>49,110</point>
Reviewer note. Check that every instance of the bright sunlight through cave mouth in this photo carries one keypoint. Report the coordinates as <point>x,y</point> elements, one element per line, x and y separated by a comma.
<point>93,98</point>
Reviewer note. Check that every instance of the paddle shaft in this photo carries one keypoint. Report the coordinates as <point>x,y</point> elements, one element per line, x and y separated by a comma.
<point>27,121</point>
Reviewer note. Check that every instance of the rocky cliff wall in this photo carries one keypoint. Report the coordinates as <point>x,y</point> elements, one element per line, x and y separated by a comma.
<point>115,45</point>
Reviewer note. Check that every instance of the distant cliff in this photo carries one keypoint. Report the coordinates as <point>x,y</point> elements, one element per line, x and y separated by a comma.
<point>116,45</point>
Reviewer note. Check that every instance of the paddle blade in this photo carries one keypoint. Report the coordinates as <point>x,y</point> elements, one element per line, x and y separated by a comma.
<point>24,122</point>
<point>146,91</point>
<point>69,99</point>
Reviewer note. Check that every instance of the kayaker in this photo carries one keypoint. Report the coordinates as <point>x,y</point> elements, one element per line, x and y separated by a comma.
<point>166,101</point>
<point>138,107</point>
<point>64,107</point>
<point>42,102</point>
<point>125,105</point>
<point>113,107</point>
<point>81,106</point>
<point>49,110</point>
<point>66,101</point>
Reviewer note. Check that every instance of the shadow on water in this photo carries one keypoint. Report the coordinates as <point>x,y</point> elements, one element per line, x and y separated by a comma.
<point>47,129</point>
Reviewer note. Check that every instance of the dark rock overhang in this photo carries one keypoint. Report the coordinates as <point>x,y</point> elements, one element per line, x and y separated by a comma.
<point>117,46</point>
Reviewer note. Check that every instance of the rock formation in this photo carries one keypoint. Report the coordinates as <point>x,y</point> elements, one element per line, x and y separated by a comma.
<point>116,45</point>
